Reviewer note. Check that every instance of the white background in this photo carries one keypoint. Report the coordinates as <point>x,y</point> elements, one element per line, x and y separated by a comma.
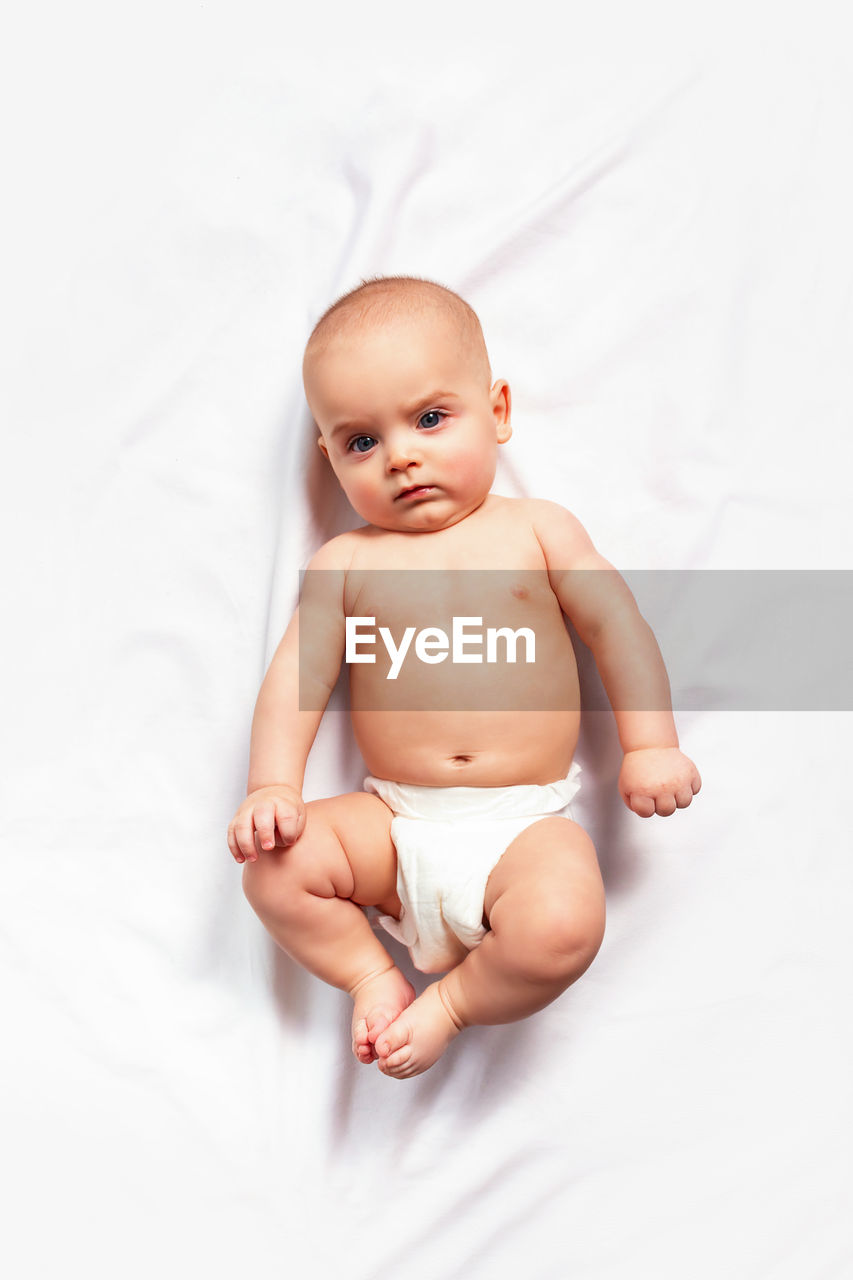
<point>650,209</point>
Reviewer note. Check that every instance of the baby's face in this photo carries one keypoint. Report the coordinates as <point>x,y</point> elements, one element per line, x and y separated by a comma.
<point>409,423</point>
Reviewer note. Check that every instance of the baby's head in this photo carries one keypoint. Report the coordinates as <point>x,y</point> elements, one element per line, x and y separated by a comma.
<point>397,377</point>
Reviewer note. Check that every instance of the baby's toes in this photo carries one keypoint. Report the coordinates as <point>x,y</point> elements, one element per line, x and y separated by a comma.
<point>395,1037</point>
<point>361,1046</point>
<point>398,1064</point>
<point>375,1024</point>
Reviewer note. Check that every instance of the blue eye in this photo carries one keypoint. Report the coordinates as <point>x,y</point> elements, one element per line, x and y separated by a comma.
<point>361,444</point>
<point>435,414</point>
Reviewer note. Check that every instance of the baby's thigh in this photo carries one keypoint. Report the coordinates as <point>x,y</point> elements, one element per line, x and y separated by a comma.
<point>547,887</point>
<point>361,825</point>
<point>344,851</point>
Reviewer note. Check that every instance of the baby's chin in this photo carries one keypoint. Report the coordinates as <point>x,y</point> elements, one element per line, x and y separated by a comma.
<point>427,517</point>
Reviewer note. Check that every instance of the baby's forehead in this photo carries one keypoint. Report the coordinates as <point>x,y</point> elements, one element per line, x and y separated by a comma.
<point>409,339</point>
<point>426,321</point>
<point>366,329</point>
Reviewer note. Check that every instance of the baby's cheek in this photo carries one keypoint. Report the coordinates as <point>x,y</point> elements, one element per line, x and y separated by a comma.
<point>361,495</point>
<point>470,472</point>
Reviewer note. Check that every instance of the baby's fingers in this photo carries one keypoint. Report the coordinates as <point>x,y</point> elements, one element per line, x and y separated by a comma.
<point>683,797</point>
<point>643,806</point>
<point>646,806</point>
<point>241,840</point>
<point>290,820</point>
<point>685,793</point>
<point>233,846</point>
<point>665,805</point>
<point>264,816</point>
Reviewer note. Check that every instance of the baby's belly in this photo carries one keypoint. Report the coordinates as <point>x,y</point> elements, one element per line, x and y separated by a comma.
<point>470,748</point>
<point>479,715</point>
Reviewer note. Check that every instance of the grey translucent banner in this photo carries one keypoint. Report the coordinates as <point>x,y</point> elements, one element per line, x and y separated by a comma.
<point>486,639</point>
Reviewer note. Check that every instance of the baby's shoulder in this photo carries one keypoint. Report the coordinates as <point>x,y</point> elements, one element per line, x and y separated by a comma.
<point>361,548</point>
<point>337,553</point>
<point>539,513</point>
<point>560,534</point>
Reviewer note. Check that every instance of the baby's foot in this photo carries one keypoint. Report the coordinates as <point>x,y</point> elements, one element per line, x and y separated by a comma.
<point>418,1037</point>
<point>377,1002</point>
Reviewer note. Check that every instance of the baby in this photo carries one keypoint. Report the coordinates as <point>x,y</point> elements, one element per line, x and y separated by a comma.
<point>463,837</point>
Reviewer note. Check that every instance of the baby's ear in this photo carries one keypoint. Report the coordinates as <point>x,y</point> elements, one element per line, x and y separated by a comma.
<point>323,447</point>
<point>502,407</point>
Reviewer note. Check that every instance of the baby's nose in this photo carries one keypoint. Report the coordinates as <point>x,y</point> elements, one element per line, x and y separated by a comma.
<point>401,451</point>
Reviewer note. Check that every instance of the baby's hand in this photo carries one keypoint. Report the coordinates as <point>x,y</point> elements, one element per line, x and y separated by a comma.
<point>658,780</point>
<point>276,814</point>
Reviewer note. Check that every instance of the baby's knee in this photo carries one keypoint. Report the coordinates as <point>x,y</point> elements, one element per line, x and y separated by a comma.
<point>561,940</point>
<point>277,883</point>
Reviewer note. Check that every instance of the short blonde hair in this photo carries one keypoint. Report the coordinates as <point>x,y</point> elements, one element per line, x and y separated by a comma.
<point>383,299</point>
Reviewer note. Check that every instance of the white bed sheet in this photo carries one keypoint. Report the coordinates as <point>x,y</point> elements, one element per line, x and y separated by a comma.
<point>655,233</point>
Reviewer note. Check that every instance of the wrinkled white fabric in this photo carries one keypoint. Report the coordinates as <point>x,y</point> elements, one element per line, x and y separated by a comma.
<point>656,236</point>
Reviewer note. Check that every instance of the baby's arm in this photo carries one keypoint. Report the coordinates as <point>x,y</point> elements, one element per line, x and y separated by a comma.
<point>656,777</point>
<point>288,712</point>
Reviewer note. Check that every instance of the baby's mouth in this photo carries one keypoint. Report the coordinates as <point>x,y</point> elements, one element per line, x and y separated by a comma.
<point>414,491</point>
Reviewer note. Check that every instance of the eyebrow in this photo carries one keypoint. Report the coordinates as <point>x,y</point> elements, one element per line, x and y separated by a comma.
<point>409,412</point>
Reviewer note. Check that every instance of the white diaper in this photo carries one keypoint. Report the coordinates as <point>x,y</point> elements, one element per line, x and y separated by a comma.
<point>448,841</point>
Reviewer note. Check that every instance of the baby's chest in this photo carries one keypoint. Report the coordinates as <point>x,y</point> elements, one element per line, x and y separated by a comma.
<point>448,599</point>
<point>491,571</point>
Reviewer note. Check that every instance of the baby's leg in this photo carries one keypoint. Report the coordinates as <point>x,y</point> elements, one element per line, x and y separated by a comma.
<point>545,909</point>
<point>309,896</point>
